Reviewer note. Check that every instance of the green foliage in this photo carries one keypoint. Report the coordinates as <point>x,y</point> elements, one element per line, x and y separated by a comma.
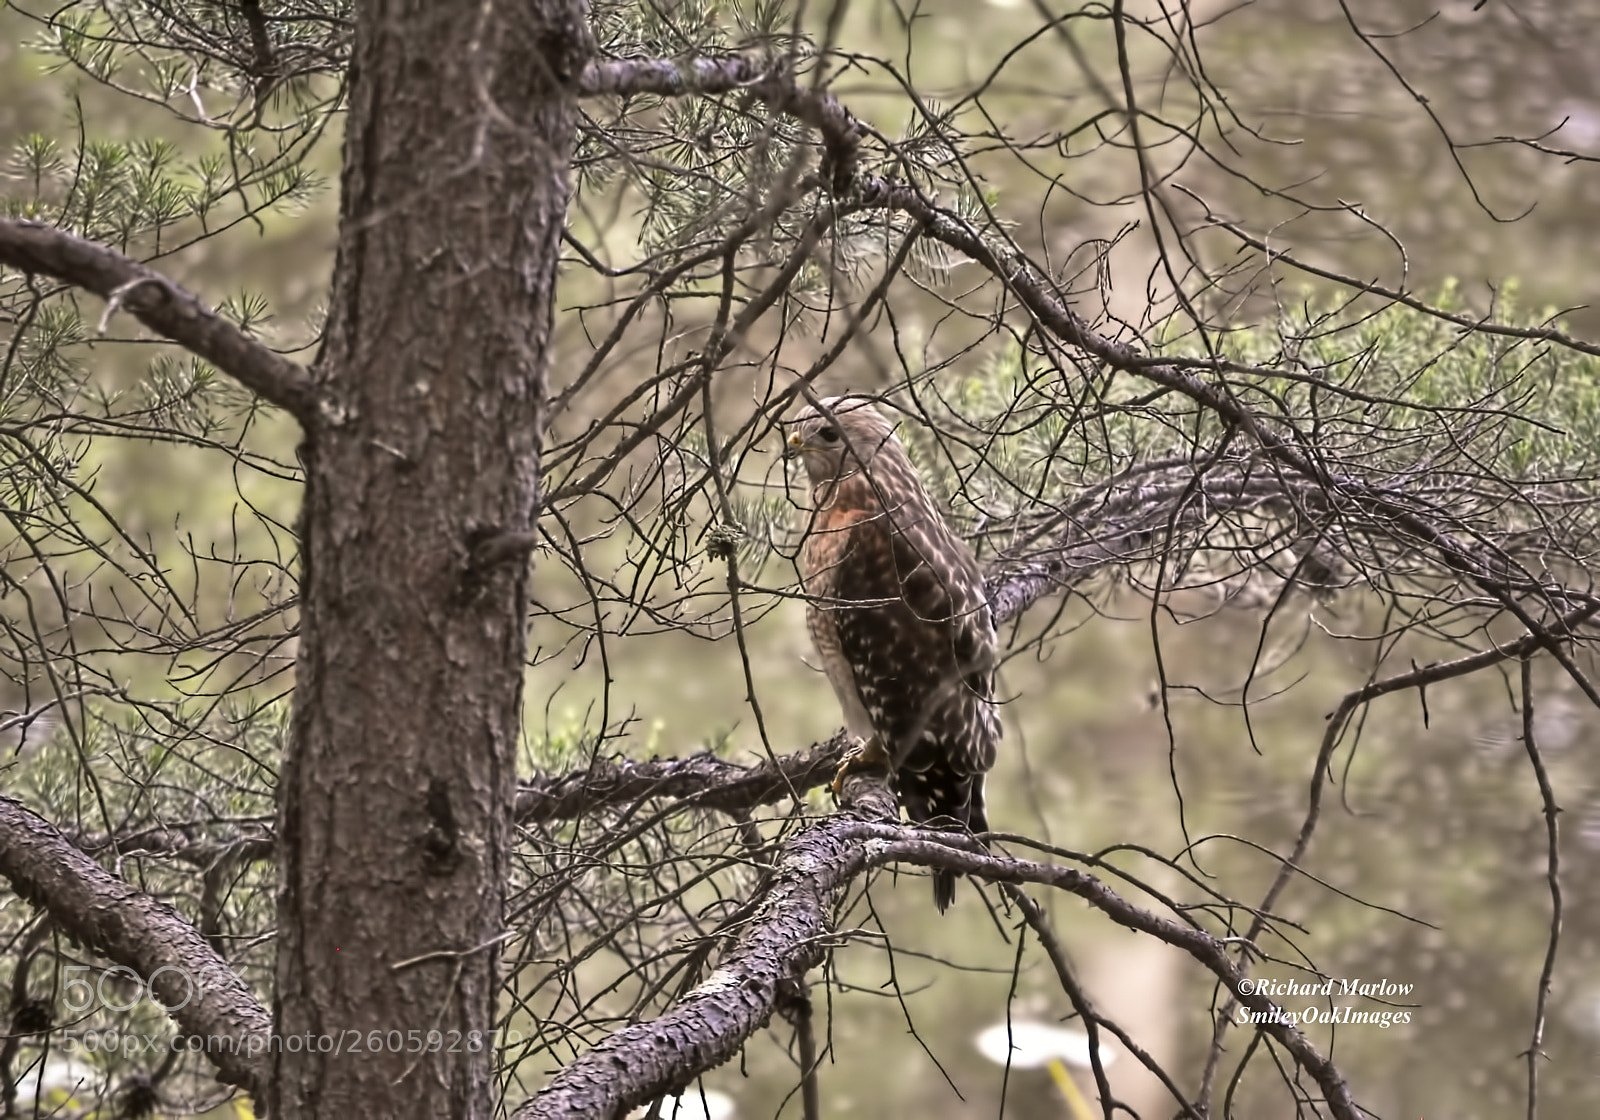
<point>146,576</point>
<point>1396,389</point>
<point>147,198</point>
<point>569,743</point>
<point>1384,395</point>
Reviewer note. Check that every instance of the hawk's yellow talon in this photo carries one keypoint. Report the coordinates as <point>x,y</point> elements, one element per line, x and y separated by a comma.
<point>868,755</point>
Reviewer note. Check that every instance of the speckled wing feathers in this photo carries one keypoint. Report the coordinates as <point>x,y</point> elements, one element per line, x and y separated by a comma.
<point>899,618</point>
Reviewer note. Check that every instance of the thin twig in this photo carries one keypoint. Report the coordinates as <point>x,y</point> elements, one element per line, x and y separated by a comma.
<point>1547,798</point>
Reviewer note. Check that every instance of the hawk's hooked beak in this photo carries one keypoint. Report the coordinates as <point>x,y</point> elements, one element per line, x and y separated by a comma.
<point>794,446</point>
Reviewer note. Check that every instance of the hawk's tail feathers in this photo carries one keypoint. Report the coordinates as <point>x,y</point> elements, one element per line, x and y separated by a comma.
<point>959,804</point>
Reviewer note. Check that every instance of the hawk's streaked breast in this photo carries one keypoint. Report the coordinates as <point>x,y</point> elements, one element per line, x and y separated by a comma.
<point>898,616</point>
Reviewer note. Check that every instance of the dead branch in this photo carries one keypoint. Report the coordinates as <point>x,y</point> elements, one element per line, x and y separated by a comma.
<point>710,782</point>
<point>162,306</point>
<point>784,938</point>
<point>765,79</point>
<point>101,911</point>
<point>786,935</point>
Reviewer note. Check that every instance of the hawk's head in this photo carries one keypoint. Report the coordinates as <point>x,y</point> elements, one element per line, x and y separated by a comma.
<point>834,435</point>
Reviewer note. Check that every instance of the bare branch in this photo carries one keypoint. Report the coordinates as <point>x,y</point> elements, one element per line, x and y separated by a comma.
<point>1093,1021</point>
<point>179,844</point>
<point>712,783</point>
<point>1547,798</point>
<point>1199,944</point>
<point>162,306</point>
<point>768,80</point>
<point>1475,323</point>
<point>785,937</point>
<point>129,927</point>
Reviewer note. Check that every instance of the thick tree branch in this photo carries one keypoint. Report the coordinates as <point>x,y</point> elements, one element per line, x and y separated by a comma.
<point>713,783</point>
<point>162,306</point>
<point>1148,510</point>
<point>783,939</point>
<point>101,911</point>
<point>701,781</point>
<point>786,936</point>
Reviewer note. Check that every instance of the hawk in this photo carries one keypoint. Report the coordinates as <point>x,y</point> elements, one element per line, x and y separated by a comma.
<point>898,618</point>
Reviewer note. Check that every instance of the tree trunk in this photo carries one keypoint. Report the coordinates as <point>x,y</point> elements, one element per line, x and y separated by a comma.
<point>422,474</point>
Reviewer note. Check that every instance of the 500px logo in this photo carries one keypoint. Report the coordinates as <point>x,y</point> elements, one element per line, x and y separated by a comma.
<point>180,985</point>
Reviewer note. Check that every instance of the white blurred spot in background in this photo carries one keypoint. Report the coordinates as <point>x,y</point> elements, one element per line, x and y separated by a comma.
<point>692,1105</point>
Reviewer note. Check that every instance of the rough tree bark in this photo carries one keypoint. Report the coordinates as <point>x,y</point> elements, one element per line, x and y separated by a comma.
<point>422,463</point>
<point>95,908</point>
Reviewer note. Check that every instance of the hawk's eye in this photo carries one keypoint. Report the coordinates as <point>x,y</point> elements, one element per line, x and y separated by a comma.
<point>828,434</point>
